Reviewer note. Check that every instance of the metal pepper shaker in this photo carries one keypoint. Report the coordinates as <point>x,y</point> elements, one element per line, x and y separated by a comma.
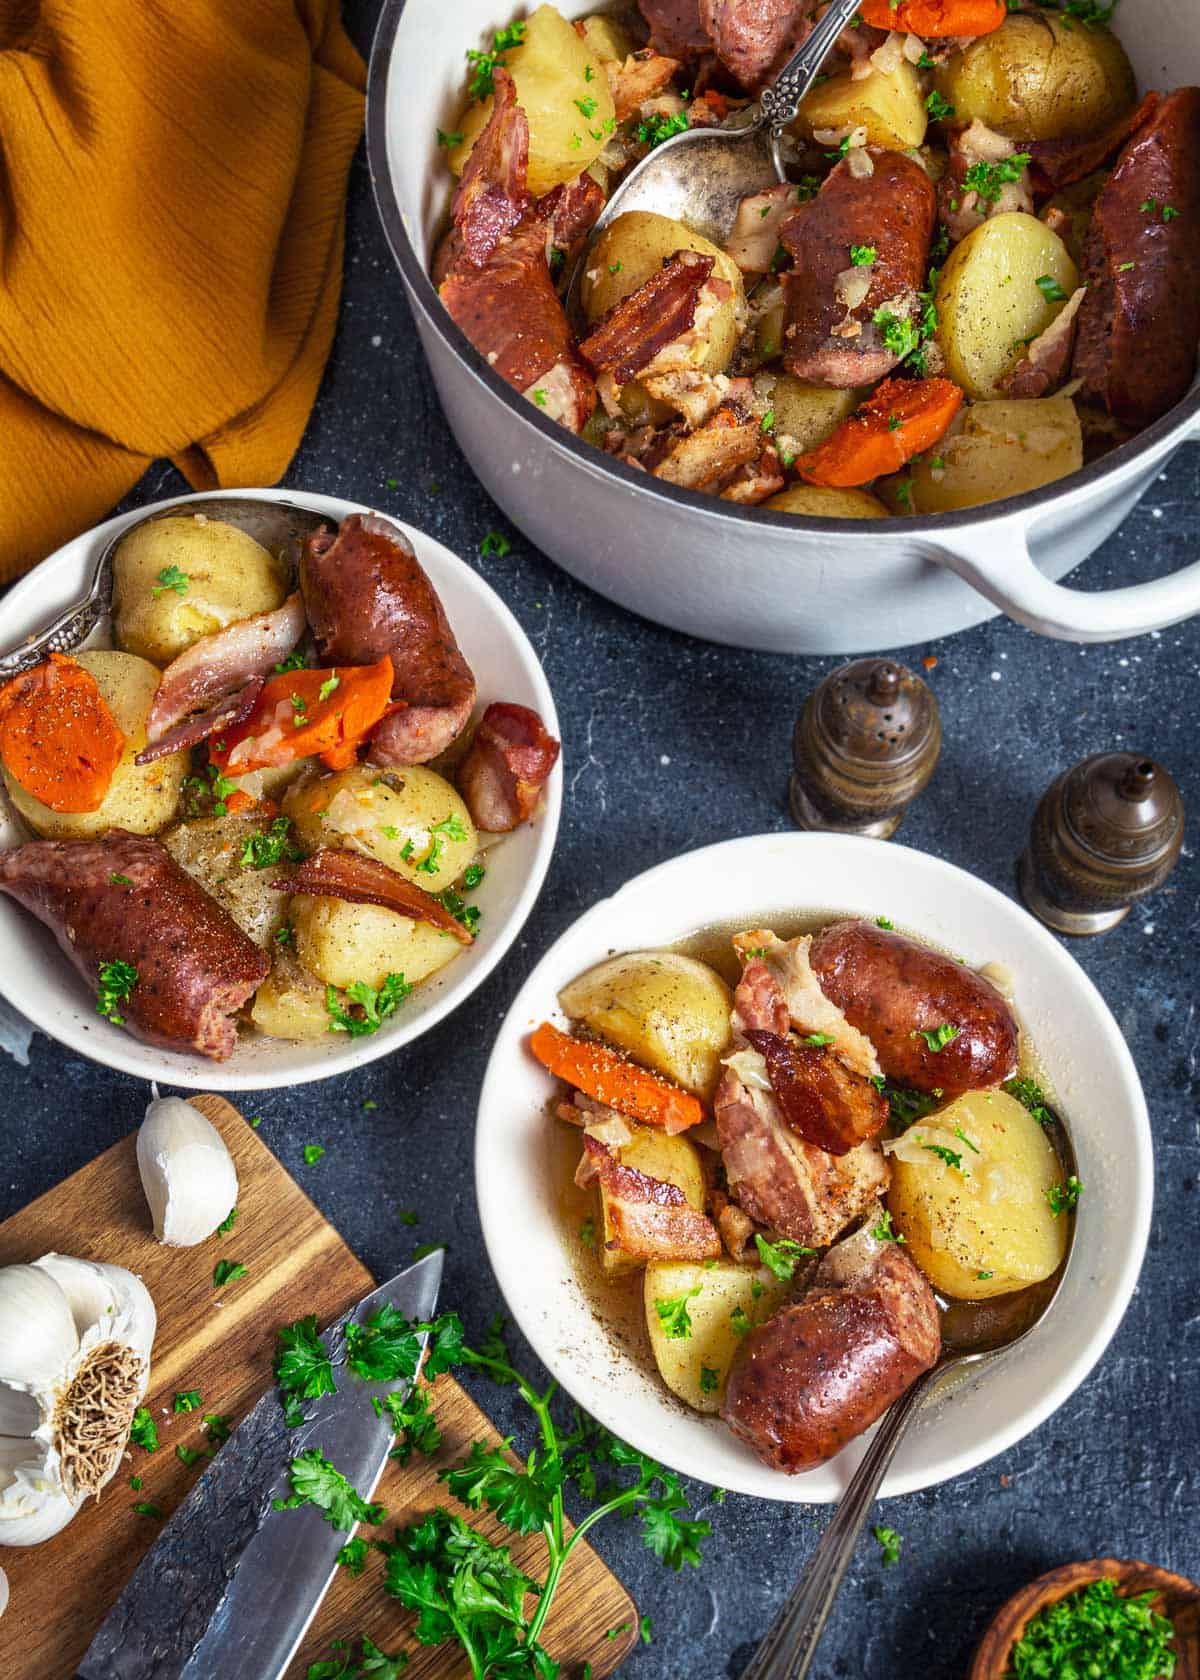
<point>1107,832</point>
<point>864,747</point>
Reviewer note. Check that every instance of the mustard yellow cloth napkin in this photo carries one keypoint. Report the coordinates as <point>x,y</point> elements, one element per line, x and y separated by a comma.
<point>172,196</point>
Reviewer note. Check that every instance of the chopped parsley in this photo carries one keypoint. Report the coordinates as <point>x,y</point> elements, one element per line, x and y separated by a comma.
<point>586,107</point>
<point>353,1555</point>
<point>889,1544</point>
<point>673,1314</point>
<point>983,1276</point>
<point>709,1379</point>
<point>780,1258</point>
<point>313,1152</point>
<point>1064,1198</point>
<point>988,180</point>
<point>951,1157</point>
<point>303,1368</point>
<point>120,880</point>
<point>587,1233</point>
<point>939,109</point>
<point>817,1039</point>
<point>468,914</point>
<point>843,148</point>
<point>293,662</point>
<point>652,131</point>
<point>1123,268</point>
<point>862,256</point>
<point>216,1430</point>
<point>376,1005</point>
<point>315,1481</point>
<point>115,982</point>
<point>147,1508</point>
<point>936,1038</point>
<point>406,1216</point>
<point>1050,289</point>
<point>767,424</point>
<point>328,686</point>
<point>539,397</point>
<point>883,922</point>
<point>741,1324</point>
<point>285,934</point>
<point>1096,1631</point>
<point>226,1224</point>
<point>472,875</point>
<point>227,1271</point>
<point>963,1138</point>
<point>171,578</point>
<point>450,828</point>
<point>264,850</point>
<point>1031,1096</point>
<point>186,1400</point>
<point>299,708</point>
<point>904,1105</point>
<point>143,1431</point>
<point>188,1455</point>
<point>884,1232</point>
<point>482,84</point>
<point>454,138</point>
<point>495,542</point>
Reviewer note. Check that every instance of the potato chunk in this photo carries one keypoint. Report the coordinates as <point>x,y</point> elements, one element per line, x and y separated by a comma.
<point>667,1011</point>
<point>554,88</point>
<point>411,819</point>
<point>212,851</point>
<point>986,1227</point>
<point>805,415</point>
<point>141,798</point>
<point>818,501</point>
<point>889,104</point>
<point>998,449</point>
<point>729,1300</point>
<point>215,575</point>
<point>1000,289</point>
<point>344,943</point>
<point>290,1003</point>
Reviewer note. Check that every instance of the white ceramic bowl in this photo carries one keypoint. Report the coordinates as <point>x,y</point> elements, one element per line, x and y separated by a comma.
<point>1085,1059</point>
<point>36,977</point>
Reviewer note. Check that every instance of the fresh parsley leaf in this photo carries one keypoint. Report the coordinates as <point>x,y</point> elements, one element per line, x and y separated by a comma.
<point>385,1348</point>
<point>672,1538</point>
<point>889,1544</point>
<point>1064,1198</point>
<point>187,1400</point>
<point>302,1364</point>
<point>412,1420</point>
<point>884,1231</point>
<point>780,1258</point>
<point>376,1006</point>
<point>450,828</point>
<point>673,1314</point>
<point>862,256</point>
<point>936,1038</point>
<point>353,1555</point>
<point>1050,288</point>
<point>264,850</point>
<point>226,1224</point>
<point>313,1152</point>
<point>315,1481</point>
<point>522,1499</point>
<point>143,1431</point>
<point>114,984</point>
<point>227,1271</point>
<point>939,109</point>
<point>171,578</point>
<point>468,914</point>
<point>652,131</point>
<point>988,180</point>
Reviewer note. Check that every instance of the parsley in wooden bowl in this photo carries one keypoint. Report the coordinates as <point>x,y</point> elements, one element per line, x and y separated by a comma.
<point>1122,1620</point>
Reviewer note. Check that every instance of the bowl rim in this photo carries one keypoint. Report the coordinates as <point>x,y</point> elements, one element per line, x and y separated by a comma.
<point>735,858</point>
<point>135,1056</point>
<point>1077,489</point>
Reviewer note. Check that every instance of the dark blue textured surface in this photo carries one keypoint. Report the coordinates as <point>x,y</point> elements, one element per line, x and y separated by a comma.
<point>668,745</point>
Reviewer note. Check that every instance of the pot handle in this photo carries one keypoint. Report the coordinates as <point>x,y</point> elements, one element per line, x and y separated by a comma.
<point>1000,566</point>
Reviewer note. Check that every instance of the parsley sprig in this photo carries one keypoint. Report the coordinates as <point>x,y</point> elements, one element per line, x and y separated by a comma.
<point>264,849</point>
<point>376,1005</point>
<point>113,985</point>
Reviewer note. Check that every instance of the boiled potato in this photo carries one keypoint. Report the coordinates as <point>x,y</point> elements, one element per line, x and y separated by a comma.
<point>344,943</point>
<point>989,303</point>
<point>815,501</point>
<point>220,574</point>
<point>606,40</point>
<point>988,1228</point>
<point>1039,77</point>
<point>889,104</point>
<point>290,1003</point>
<point>998,449</point>
<point>214,853</point>
<point>412,820</point>
<point>674,1160</point>
<point>556,74</point>
<point>667,1011</point>
<point>634,247</point>
<point>141,798</point>
<point>805,415</point>
<point>770,319</point>
<point>696,1365</point>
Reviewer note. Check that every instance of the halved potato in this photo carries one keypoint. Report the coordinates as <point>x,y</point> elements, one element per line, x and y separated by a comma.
<point>343,943</point>
<point>889,104</point>
<point>819,501</point>
<point>984,1227</point>
<point>997,449</point>
<point>673,1160</point>
<point>290,1003</point>
<point>668,1011</point>
<point>411,819</point>
<point>562,88</point>
<point>695,1365</point>
<point>805,415</point>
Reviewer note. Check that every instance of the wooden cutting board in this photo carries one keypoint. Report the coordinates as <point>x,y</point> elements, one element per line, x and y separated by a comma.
<point>221,1342</point>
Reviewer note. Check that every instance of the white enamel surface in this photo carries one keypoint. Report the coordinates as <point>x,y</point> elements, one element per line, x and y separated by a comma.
<point>1077,1040</point>
<point>803,587</point>
<point>40,983</point>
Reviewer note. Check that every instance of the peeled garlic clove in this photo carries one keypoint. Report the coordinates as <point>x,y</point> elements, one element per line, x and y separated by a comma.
<point>34,1506</point>
<point>105,1301</point>
<point>37,1330</point>
<point>187,1172</point>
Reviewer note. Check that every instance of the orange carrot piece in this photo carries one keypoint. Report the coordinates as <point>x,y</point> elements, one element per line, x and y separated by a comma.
<point>300,713</point>
<point>609,1078</point>
<point>899,419</point>
<point>58,738</point>
<point>936,19</point>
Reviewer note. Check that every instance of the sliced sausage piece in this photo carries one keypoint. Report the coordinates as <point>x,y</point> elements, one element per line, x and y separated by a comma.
<point>831,337</point>
<point>125,899</point>
<point>1139,326</point>
<point>506,766</point>
<point>366,595</point>
<point>676,27</point>
<point>896,990</point>
<point>755,38</point>
<point>825,1368</point>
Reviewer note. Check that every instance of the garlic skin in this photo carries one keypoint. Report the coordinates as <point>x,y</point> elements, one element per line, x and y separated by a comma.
<point>3,1592</point>
<point>186,1171</point>
<point>75,1342</point>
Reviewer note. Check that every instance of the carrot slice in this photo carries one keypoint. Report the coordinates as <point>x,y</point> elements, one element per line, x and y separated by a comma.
<point>58,738</point>
<point>609,1078</point>
<point>899,419</point>
<point>936,19</point>
<point>299,713</point>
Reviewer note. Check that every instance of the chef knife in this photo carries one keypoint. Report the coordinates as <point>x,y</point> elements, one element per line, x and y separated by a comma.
<point>231,1585</point>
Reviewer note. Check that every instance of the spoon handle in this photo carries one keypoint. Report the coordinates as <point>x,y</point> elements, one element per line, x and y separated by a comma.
<point>781,102</point>
<point>787,1651</point>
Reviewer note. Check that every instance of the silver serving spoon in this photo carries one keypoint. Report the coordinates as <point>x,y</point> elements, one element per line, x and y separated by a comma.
<point>278,526</point>
<point>787,1651</point>
<point>701,176</point>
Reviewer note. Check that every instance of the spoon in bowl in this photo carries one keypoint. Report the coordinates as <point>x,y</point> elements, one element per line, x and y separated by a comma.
<point>279,526</point>
<point>971,1336</point>
<point>701,176</point>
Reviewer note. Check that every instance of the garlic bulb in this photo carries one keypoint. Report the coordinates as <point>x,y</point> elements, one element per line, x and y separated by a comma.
<point>187,1172</point>
<point>75,1340</point>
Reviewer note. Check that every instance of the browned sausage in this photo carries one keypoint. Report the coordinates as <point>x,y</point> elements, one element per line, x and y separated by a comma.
<point>1139,325</point>
<point>823,1101</point>
<point>893,989</point>
<point>676,27</point>
<point>825,1368</point>
<point>506,767</point>
<point>125,899</point>
<point>366,595</point>
<point>894,210</point>
<point>755,38</point>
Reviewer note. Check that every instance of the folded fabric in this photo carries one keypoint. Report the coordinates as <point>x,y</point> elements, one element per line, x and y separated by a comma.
<point>172,199</point>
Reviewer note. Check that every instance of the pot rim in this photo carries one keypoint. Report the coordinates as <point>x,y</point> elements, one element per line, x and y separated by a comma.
<point>1175,426</point>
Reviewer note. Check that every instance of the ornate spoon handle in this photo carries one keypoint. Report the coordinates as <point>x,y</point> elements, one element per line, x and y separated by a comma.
<point>787,1651</point>
<point>781,102</point>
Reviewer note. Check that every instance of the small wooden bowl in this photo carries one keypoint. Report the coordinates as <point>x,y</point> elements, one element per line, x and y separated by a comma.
<point>1178,1598</point>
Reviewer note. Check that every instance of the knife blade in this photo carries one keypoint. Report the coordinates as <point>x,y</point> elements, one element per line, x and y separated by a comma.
<point>231,1585</point>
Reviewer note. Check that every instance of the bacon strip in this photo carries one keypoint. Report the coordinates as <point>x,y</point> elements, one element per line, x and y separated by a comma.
<point>1047,362</point>
<point>571,210</point>
<point>222,714</point>
<point>822,1100</point>
<point>633,333</point>
<point>648,1218</point>
<point>492,196</point>
<point>333,872</point>
<point>503,773</point>
<point>219,664</point>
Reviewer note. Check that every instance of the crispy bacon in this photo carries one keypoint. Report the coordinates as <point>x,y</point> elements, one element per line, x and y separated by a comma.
<point>821,1099</point>
<point>707,459</point>
<point>571,210</point>
<point>492,195</point>
<point>510,311</point>
<point>648,1218</point>
<point>502,775</point>
<point>222,663</point>
<point>333,872</point>
<point>1060,163</point>
<point>663,309</point>
<point>1047,362</point>
<point>643,75</point>
<point>222,714</point>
